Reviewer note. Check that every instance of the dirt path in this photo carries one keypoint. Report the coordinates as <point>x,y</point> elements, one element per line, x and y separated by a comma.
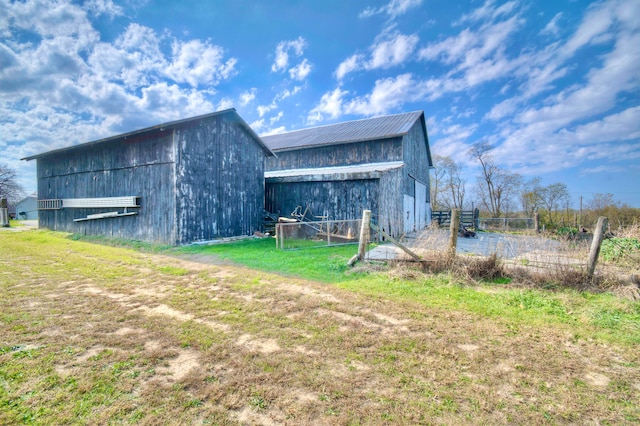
<point>215,343</point>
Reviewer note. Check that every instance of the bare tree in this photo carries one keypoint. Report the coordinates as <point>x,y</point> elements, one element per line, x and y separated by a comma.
<point>554,198</point>
<point>9,186</point>
<point>530,196</point>
<point>447,185</point>
<point>437,182</point>
<point>454,183</point>
<point>495,187</point>
<point>600,202</point>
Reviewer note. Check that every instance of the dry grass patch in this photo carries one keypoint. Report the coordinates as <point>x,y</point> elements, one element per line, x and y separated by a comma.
<point>164,340</point>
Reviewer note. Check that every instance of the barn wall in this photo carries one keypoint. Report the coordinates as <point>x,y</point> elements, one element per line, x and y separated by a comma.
<point>338,155</point>
<point>219,180</point>
<point>29,209</point>
<point>390,216</point>
<point>337,199</point>
<point>415,158</point>
<point>140,166</point>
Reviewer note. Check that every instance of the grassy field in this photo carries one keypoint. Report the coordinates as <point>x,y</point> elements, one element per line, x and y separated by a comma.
<point>245,334</point>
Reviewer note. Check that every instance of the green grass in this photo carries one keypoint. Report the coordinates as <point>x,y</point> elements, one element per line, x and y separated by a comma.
<point>326,264</point>
<point>66,297</point>
<point>516,306</point>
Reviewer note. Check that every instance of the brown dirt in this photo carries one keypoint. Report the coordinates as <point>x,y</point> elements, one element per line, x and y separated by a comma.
<point>288,351</point>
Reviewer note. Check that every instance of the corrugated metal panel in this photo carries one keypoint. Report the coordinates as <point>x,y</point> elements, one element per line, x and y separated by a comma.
<point>83,203</point>
<point>361,168</point>
<point>351,131</point>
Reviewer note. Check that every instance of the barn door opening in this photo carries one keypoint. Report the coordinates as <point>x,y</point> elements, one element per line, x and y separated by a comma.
<point>409,213</point>
<point>421,205</point>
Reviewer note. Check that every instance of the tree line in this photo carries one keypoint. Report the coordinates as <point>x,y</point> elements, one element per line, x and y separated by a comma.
<point>498,192</point>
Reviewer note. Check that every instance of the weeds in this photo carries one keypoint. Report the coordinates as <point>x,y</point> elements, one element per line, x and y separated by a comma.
<point>192,339</point>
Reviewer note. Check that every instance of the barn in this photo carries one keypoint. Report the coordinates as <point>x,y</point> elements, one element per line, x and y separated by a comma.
<point>27,209</point>
<point>190,180</point>
<point>381,164</point>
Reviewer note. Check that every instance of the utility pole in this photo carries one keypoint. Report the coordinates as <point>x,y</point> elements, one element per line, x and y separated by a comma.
<point>580,217</point>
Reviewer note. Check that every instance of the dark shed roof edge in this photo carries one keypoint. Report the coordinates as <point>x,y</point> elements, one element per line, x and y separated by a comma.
<point>169,125</point>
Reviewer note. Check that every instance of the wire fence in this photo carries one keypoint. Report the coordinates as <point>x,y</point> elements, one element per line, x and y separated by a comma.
<point>506,224</point>
<point>297,235</point>
<point>531,251</point>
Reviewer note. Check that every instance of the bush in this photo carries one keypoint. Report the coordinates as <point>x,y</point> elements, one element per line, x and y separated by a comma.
<point>617,249</point>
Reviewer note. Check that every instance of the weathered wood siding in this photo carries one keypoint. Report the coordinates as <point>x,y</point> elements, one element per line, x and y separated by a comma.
<point>415,158</point>
<point>141,166</point>
<point>219,180</point>
<point>390,215</point>
<point>336,199</point>
<point>375,151</point>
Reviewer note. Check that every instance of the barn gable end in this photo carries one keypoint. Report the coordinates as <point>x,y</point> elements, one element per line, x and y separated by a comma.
<point>188,175</point>
<point>322,168</point>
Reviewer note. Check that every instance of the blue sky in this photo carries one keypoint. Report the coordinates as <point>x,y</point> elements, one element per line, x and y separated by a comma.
<point>555,85</point>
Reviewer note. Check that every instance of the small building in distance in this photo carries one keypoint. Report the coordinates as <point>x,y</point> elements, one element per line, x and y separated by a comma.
<point>27,209</point>
<point>196,179</point>
<point>381,164</point>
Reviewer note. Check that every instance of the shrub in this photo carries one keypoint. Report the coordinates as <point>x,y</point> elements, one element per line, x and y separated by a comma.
<point>617,249</point>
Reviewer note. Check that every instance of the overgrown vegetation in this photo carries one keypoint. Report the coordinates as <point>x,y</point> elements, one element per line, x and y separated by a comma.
<point>621,249</point>
<point>96,334</point>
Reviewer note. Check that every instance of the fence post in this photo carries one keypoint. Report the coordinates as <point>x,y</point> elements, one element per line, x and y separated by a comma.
<point>536,220</point>
<point>453,229</point>
<point>598,236</point>
<point>364,233</point>
<point>4,213</point>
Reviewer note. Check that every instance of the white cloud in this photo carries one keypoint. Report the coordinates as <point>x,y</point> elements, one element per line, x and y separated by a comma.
<point>597,20</point>
<point>287,93</point>
<point>283,50</point>
<point>199,63</point>
<point>352,63</point>
<point>276,118</point>
<point>489,11</point>
<point>617,74</point>
<point>330,105</point>
<point>552,27</point>
<point>248,96</point>
<point>263,109</point>
<point>257,125</point>
<point>300,71</point>
<point>387,94</point>
<point>390,49</point>
<point>275,131</point>
<point>103,7</point>
<point>393,51</point>
<point>615,127</point>
<point>394,8</point>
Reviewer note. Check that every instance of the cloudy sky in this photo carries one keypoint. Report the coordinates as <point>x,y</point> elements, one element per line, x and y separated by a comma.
<point>555,85</point>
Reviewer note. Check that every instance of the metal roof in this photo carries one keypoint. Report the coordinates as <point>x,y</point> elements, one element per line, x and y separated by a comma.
<point>358,168</point>
<point>158,128</point>
<point>384,127</point>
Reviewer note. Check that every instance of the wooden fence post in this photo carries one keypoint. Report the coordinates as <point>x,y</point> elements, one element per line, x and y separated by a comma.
<point>453,229</point>
<point>598,236</point>
<point>4,213</point>
<point>364,238</point>
<point>536,222</point>
<point>364,233</point>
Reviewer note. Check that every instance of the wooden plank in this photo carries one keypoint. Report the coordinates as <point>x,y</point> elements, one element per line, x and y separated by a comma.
<point>394,241</point>
<point>107,215</point>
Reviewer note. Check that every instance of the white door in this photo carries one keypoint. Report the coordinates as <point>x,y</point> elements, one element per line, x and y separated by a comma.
<point>409,213</point>
<point>421,205</point>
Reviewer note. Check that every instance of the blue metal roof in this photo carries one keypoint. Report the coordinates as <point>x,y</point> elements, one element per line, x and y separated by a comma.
<point>384,127</point>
